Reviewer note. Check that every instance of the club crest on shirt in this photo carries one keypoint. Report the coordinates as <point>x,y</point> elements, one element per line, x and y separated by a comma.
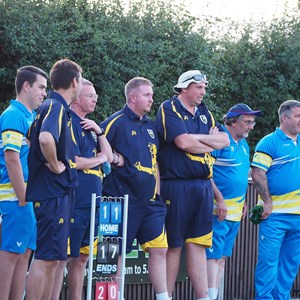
<point>151,133</point>
<point>203,119</point>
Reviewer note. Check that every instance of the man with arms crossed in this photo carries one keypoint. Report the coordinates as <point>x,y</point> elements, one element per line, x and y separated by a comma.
<point>275,174</point>
<point>52,177</point>
<point>19,225</point>
<point>92,150</point>
<point>188,134</point>
<point>134,139</point>
<point>230,174</point>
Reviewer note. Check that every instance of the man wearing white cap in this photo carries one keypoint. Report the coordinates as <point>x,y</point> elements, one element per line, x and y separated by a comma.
<point>188,134</point>
<point>230,174</point>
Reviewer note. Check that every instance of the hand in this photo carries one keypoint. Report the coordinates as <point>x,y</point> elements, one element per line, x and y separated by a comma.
<point>102,157</point>
<point>58,169</point>
<point>22,203</point>
<point>245,210</point>
<point>90,125</point>
<point>213,130</point>
<point>221,209</point>
<point>268,207</point>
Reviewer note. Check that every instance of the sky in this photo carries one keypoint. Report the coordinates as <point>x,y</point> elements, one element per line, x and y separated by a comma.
<point>241,9</point>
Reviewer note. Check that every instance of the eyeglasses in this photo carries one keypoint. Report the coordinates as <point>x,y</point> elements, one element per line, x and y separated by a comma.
<point>249,123</point>
<point>199,77</point>
<point>91,96</point>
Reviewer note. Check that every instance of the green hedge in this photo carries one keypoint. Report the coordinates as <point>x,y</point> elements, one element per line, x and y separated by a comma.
<point>253,63</point>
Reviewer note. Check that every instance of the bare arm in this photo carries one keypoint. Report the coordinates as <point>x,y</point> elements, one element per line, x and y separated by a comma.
<point>216,141</point>
<point>48,148</point>
<point>187,142</point>
<point>260,183</point>
<point>83,163</point>
<point>245,210</point>
<point>221,209</point>
<point>202,143</point>
<point>15,173</point>
<point>158,181</point>
<point>118,159</point>
<point>103,142</point>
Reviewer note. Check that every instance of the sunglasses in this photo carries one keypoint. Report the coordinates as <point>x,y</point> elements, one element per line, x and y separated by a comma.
<point>199,77</point>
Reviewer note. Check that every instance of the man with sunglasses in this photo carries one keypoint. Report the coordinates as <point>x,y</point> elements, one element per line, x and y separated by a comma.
<point>230,174</point>
<point>188,134</point>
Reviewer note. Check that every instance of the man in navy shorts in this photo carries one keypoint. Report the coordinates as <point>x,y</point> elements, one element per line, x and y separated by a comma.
<point>188,134</point>
<point>52,176</point>
<point>92,150</point>
<point>19,225</point>
<point>134,139</point>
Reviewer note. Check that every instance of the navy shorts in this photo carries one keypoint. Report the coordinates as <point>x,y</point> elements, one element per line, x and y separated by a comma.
<point>146,223</point>
<point>189,211</point>
<point>80,231</point>
<point>53,226</point>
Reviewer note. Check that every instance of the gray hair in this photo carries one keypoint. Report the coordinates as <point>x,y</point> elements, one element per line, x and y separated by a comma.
<point>287,106</point>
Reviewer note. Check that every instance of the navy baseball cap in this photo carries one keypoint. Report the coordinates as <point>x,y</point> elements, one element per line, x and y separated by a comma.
<point>242,109</point>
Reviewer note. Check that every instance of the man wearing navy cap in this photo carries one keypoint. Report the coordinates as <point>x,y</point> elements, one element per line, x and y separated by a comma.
<point>188,134</point>
<point>230,174</point>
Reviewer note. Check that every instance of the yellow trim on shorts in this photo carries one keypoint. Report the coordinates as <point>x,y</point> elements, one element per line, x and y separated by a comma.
<point>159,242</point>
<point>205,240</point>
<point>85,249</point>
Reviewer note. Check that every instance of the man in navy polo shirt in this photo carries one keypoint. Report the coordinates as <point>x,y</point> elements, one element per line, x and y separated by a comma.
<point>52,176</point>
<point>92,150</point>
<point>134,139</point>
<point>188,134</point>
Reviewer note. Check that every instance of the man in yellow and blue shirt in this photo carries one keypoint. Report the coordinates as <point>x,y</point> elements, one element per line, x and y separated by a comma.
<point>230,175</point>
<point>275,174</point>
<point>19,225</point>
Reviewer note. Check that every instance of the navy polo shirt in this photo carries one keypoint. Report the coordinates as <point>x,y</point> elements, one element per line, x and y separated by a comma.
<point>89,180</point>
<point>53,116</point>
<point>172,120</point>
<point>137,140</point>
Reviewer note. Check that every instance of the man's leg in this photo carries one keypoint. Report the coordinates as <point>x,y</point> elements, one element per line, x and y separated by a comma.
<point>8,262</point>
<point>58,280</point>
<point>157,266</point>
<point>212,277</point>
<point>271,234</point>
<point>76,275</point>
<point>19,277</point>
<point>289,258</point>
<point>221,271</point>
<point>173,264</point>
<point>41,279</point>
<point>196,269</point>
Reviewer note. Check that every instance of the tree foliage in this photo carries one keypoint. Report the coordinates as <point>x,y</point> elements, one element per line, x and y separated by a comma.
<point>253,63</point>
